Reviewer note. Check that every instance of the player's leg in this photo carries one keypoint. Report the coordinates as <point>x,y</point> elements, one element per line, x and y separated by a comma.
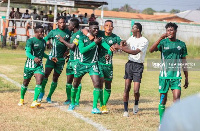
<point>163,89</point>
<point>126,96</point>
<point>74,90</point>
<point>96,93</point>
<point>23,91</point>
<point>53,86</point>
<point>101,92</point>
<point>137,96</point>
<point>27,77</point>
<point>39,77</point>
<point>68,88</point>
<point>78,94</point>
<point>176,89</point>
<point>57,71</point>
<point>44,82</point>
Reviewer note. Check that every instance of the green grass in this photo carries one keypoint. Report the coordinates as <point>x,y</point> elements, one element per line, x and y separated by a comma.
<point>12,65</point>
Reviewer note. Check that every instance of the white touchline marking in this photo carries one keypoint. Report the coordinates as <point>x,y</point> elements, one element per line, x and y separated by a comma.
<point>62,108</point>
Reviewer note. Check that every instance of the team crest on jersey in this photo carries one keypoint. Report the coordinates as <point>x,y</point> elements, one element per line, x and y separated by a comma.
<point>85,40</point>
<point>166,48</point>
<point>56,36</point>
<point>110,41</point>
<point>179,48</point>
<point>67,36</point>
<point>77,36</point>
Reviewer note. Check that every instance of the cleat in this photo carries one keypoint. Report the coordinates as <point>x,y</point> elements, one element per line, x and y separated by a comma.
<point>135,109</point>
<point>104,110</point>
<point>96,111</point>
<point>21,102</point>
<point>77,104</point>
<point>126,114</point>
<point>35,104</point>
<point>48,100</point>
<point>71,107</point>
<point>67,102</point>
<point>40,97</point>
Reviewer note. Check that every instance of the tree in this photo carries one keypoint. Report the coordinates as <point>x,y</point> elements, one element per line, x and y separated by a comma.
<point>127,8</point>
<point>162,11</point>
<point>115,9</point>
<point>105,8</point>
<point>148,11</point>
<point>174,11</point>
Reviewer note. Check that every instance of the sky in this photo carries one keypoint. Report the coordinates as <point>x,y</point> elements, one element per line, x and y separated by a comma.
<point>157,5</point>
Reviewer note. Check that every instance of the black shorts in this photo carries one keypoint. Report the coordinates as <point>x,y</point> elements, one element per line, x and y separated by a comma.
<point>133,71</point>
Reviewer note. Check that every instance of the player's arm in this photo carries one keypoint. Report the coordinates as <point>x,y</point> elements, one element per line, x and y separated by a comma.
<point>107,47</point>
<point>185,70</point>
<point>71,46</point>
<point>85,49</point>
<point>128,50</point>
<point>154,47</point>
<point>86,33</point>
<point>49,36</point>
<point>28,49</point>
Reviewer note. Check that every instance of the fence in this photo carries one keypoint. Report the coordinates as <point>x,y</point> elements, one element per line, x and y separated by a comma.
<point>189,33</point>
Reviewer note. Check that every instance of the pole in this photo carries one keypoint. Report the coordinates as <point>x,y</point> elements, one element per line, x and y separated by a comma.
<point>7,22</point>
<point>55,17</point>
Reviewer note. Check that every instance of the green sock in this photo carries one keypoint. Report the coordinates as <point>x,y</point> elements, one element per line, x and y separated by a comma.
<point>96,95</point>
<point>101,97</point>
<point>23,91</point>
<point>52,89</point>
<point>106,95</point>
<point>44,82</point>
<point>37,92</point>
<point>161,109</point>
<point>73,95</point>
<point>78,94</point>
<point>68,91</point>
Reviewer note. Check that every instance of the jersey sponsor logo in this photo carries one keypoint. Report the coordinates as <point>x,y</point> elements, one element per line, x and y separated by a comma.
<point>24,74</point>
<point>36,45</point>
<point>179,48</point>
<point>56,36</point>
<point>166,48</point>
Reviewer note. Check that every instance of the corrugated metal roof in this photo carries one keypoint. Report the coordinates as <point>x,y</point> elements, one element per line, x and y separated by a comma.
<point>192,15</point>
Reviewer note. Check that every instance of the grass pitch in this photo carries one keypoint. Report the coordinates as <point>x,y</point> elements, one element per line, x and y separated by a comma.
<point>49,117</point>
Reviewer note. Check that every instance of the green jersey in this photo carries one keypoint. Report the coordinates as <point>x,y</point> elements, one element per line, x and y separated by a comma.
<point>74,53</point>
<point>110,40</point>
<point>172,53</point>
<point>89,50</point>
<point>58,48</point>
<point>34,48</point>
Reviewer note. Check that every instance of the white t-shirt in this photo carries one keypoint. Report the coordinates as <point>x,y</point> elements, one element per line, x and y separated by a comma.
<point>138,43</point>
<point>183,115</point>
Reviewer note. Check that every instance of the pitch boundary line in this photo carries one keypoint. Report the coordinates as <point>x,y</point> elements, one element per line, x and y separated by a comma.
<point>75,114</point>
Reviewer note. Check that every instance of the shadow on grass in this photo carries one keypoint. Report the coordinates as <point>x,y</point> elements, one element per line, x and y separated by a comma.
<point>9,90</point>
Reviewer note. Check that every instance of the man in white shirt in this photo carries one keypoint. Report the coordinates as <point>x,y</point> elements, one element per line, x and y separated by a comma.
<point>136,48</point>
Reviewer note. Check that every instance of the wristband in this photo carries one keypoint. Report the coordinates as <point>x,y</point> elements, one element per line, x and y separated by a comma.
<point>88,34</point>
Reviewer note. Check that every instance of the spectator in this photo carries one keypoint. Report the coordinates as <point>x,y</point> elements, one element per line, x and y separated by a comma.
<point>45,25</point>
<point>12,36</point>
<point>41,15</point>
<point>12,15</point>
<point>85,19</point>
<point>26,16</point>
<point>34,14</point>
<point>92,18</point>
<point>80,19</point>
<point>50,16</point>
<point>68,17</point>
<point>17,15</point>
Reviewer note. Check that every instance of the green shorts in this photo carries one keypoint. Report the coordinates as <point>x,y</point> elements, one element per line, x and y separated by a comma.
<point>164,84</point>
<point>58,66</point>
<point>28,72</point>
<point>71,66</point>
<point>106,71</point>
<point>82,69</point>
